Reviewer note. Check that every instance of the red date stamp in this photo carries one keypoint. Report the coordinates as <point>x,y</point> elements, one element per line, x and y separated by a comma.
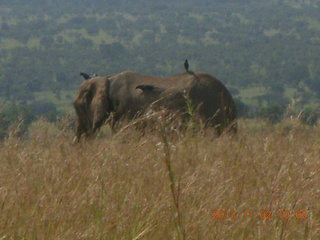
<point>259,215</point>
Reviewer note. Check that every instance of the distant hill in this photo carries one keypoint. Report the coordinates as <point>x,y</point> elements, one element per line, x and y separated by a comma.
<point>271,45</point>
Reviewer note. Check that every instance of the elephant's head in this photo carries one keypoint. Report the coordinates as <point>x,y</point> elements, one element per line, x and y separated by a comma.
<point>92,106</point>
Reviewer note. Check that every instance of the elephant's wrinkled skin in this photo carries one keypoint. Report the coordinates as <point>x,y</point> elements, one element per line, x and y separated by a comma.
<point>128,93</point>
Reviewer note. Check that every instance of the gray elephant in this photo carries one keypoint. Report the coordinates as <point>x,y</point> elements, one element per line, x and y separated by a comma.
<point>127,94</point>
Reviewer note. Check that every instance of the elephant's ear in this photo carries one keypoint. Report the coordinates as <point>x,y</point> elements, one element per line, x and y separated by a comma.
<point>80,104</point>
<point>101,105</point>
<point>92,105</point>
<point>83,97</point>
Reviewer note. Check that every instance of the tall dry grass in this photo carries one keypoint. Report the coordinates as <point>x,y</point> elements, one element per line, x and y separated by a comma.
<point>161,185</point>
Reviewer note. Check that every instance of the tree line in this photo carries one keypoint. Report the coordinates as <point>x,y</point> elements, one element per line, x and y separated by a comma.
<point>272,44</point>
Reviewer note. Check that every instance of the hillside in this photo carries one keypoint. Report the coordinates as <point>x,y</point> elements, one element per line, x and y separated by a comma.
<point>268,45</point>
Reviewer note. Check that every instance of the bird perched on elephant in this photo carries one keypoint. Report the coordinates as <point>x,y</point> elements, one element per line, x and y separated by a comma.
<point>127,94</point>
<point>87,76</point>
<point>186,65</point>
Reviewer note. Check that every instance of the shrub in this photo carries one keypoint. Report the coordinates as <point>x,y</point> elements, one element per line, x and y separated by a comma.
<point>274,112</point>
<point>45,109</point>
<point>309,116</point>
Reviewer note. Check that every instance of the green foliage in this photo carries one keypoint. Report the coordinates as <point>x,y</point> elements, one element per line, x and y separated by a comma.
<point>18,117</point>
<point>274,113</point>
<point>269,44</point>
<point>193,123</point>
<point>45,109</point>
<point>310,116</point>
<point>242,108</point>
<point>15,116</point>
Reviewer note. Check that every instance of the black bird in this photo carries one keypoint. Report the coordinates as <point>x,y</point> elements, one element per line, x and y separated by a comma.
<point>186,65</point>
<point>85,76</point>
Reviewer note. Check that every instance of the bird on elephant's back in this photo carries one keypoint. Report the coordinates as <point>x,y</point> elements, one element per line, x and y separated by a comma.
<point>127,94</point>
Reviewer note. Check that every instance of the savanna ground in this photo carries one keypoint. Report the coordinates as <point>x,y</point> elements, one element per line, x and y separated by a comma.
<point>162,185</point>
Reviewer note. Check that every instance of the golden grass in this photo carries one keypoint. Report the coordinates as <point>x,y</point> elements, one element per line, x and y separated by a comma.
<point>160,186</point>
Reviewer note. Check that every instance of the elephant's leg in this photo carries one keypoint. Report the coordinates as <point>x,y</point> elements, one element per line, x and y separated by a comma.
<point>113,120</point>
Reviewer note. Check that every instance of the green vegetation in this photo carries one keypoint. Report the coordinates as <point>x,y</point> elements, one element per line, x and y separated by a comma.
<point>266,51</point>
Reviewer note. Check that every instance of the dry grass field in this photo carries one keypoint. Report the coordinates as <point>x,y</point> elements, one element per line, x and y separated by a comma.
<point>263,183</point>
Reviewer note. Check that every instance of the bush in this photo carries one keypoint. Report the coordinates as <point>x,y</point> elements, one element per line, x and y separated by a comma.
<point>242,108</point>
<point>274,113</point>
<point>41,131</point>
<point>45,109</point>
<point>309,116</point>
<point>15,116</point>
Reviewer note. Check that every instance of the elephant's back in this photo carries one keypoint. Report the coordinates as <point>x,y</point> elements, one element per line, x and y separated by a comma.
<point>128,81</point>
<point>133,78</point>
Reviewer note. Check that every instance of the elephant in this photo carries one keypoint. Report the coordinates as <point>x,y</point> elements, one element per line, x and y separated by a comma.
<point>126,94</point>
